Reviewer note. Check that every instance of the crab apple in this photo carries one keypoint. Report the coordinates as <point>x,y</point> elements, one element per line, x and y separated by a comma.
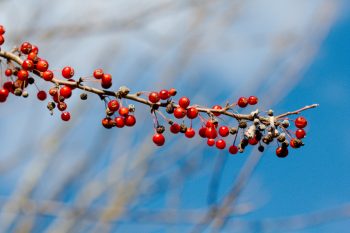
<point>32,56</point>
<point>202,131</point>
<point>4,93</point>
<point>2,40</point>
<point>35,49</point>
<point>172,91</point>
<point>211,133</point>
<point>252,100</point>
<point>153,97</point>
<point>242,102</point>
<point>190,132</point>
<point>119,121</point>
<point>43,65</point>
<point>220,144</point>
<point>106,81</point>
<point>66,91</point>
<point>22,75</point>
<point>113,105</point>
<point>124,111</point>
<point>47,75</point>
<point>130,120</point>
<point>192,113</point>
<point>179,112</point>
<point>300,122</point>
<point>164,95</point>
<point>41,95</point>
<point>98,73</point>
<point>300,133</point>
<point>8,72</point>
<point>67,72</point>
<point>106,122</point>
<point>28,64</point>
<point>217,107</point>
<point>224,131</point>
<point>62,106</point>
<point>233,149</point>
<point>211,123</point>
<point>158,139</point>
<point>26,47</point>
<point>2,30</point>
<point>281,152</point>
<point>65,116</point>
<point>175,128</point>
<point>184,102</point>
<point>210,142</point>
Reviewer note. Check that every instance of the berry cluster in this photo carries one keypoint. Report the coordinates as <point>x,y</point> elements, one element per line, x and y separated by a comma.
<point>24,67</point>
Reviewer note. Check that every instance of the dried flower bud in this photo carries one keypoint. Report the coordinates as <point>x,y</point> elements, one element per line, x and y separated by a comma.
<point>83,96</point>
<point>160,129</point>
<point>183,128</point>
<point>281,137</point>
<point>233,130</point>
<point>169,108</point>
<point>270,112</point>
<point>242,124</point>
<point>18,92</point>
<point>25,94</point>
<point>285,123</point>
<point>131,108</point>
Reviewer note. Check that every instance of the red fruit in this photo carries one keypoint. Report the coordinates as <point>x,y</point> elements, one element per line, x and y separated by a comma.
<point>35,49</point>
<point>32,56</point>
<point>300,133</point>
<point>113,105</point>
<point>190,132</point>
<point>179,112</point>
<point>106,81</point>
<point>41,95</point>
<point>172,92</point>
<point>252,100</point>
<point>130,120</point>
<point>2,41</point>
<point>158,139</point>
<point>26,48</point>
<point>65,116</point>
<point>47,75</point>
<point>242,102</point>
<point>8,86</point>
<point>28,64</point>
<point>153,97</point>
<point>220,144</point>
<point>66,91</point>
<point>175,128</point>
<point>124,111</point>
<point>62,106</point>
<point>8,72</point>
<point>211,124</point>
<point>98,73</point>
<point>293,143</point>
<point>253,141</point>
<point>22,75</point>
<point>202,131</point>
<point>53,91</point>
<point>211,142</point>
<point>43,65</point>
<point>300,122</point>
<point>164,95</point>
<point>2,30</point>
<point>211,133</point>
<point>4,93</point>
<point>224,131</point>
<point>57,98</point>
<point>233,149</point>
<point>119,121</point>
<point>281,152</point>
<point>192,113</point>
<point>67,72</point>
<point>217,107</point>
<point>184,102</point>
<point>106,122</point>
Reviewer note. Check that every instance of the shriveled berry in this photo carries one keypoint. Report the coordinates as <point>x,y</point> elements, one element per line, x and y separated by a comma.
<point>153,97</point>
<point>300,122</point>
<point>98,73</point>
<point>43,65</point>
<point>242,102</point>
<point>252,100</point>
<point>184,102</point>
<point>66,91</point>
<point>192,113</point>
<point>158,139</point>
<point>300,133</point>
<point>124,111</point>
<point>164,95</point>
<point>224,131</point>
<point>130,120</point>
<point>65,116</point>
<point>175,128</point>
<point>220,144</point>
<point>190,132</point>
<point>67,72</point>
<point>42,95</point>
<point>233,149</point>
<point>119,121</point>
<point>113,105</point>
<point>179,112</point>
<point>47,75</point>
<point>210,142</point>
<point>217,107</point>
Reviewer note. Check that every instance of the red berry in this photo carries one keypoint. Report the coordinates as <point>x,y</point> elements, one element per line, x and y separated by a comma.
<point>2,40</point>
<point>179,112</point>
<point>224,131</point>
<point>253,141</point>
<point>211,132</point>
<point>242,102</point>
<point>153,97</point>
<point>67,72</point>
<point>8,72</point>
<point>172,92</point>
<point>35,49</point>
<point>281,152</point>
<point>158,139</point>
<point>53,91</point>
<point>164,95</point>
<point>184,102</point>
<point>293,143</point>
<point>113,105</point>
<point>300,133</point>
<point>9,86</point>
<point>62,106</point>
<point>124,111</point>
<point>130,120</point>
<point>202,131</point>
<point>192,113</point>
<point>300,122</point>
<point>106,122</point>
<point>119,121</point>
<point>47,75</point>
<point>98,73</point>
<point>4,93</point>
<point>220,144</point>
<point>233,149</point>
<point>66,91</point>
<point>211,124</point>
<point>175,128</point>
<point>106,81</point>
<point>22,75</point>
<point>41,95</point>
<point>43,65</point>
<point>28,64</point>
<point>252,100</point>
<point>190,132</point>
<point>65,116</point>
<point>210,142</point>
<point>26,48</point>
<point>32,56</point>
<point>217,107</point>
<point>2,30</point>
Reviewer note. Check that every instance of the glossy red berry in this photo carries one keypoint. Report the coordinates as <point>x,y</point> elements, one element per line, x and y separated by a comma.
<point>253,141</point>
<point>2,30</point>
<point>217,107</point>
<point>65,116</point>
<point>62,106</point>
<point>252,100</point>
<point>42,95</point>
<point>32,56</point>
<point>224,131</point>
<point>67,72</point>
<point>66,91</point>
<point>179,112</point>
<point>153,97</point>
<point>210,142</point>
<point>184,102</point>
<point>300,133</point>
<point>220,144</point>
<point>43,65</point>
<point>2,40</point>
<point>281,152</point>
<point>190,132</point>
<point>113,105</point>
<point>53,91</point>
<point>175,128</point>
<point>124,111</point>
<point>233,149</point>
<point>9,86</point>
<point>22,75</point>
<point>35,49</point>
<point>300,122</point>
<point>130,120</point>
<point>172,92</point>
<point>164,95</point>
<point>192,113</point>
<point>4,93</point>
<point>119,121</point>
<point>211,132</point>
<point>106,81</point>
<point>158,139</point>
<point>98,73</point>
<point>202,131</point>
<point>8,72</point>
<point>28,64</point>
<point>293,143</point>
<point>242,102</point>
<point>106,122</point>
<point>210,123</point>
<point>26,48</point>
<point>47,75</point>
